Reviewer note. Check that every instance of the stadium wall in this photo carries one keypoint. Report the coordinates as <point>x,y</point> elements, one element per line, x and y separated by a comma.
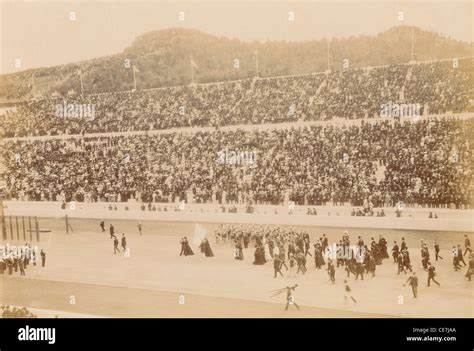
<point>328,216</point>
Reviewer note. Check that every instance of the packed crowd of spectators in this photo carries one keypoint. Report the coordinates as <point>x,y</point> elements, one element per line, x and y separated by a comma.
<point>442,87</point>
<point>380,163</point>
<point>437,87</point>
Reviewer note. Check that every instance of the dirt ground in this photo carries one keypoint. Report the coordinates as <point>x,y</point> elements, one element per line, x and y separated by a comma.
<point>156,282</point>
<point>105,301</point>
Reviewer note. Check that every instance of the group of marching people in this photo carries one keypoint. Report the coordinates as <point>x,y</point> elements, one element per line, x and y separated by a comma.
<point>289,249</point>
<point>123,239</point>
<point>356,259</point>
<point>286,247</point>
<point>401,256</point>
<point>16,259</point>
<point>458,257</point>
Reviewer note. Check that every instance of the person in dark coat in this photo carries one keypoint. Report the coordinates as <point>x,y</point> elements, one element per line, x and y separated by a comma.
<point>470,270</point>
<point>277,266</point>
<point>116,243</point>
<point>383,247</point>
<point>403,245</point>
<point>299,244</point>
<point>331,272</point>
<point>437,255</point>
<point>372,265</point>
<point>21,265</point>
<point>246,240</point>
<point>206,248</point>
<point>324,242</point>
<point>291,249</point>
<point>359,270</point>
<point>10,265</point>
<point>413,282</point>
<point>425,257</point>
<point>406,260</point>
<point>102,226</point>
<point>456,264</point>
<point>187,248</point>
<point>401,266</point>
<point>431,275</point>
<point>259,255</point>
<point>43,258</point>
<point>282,259</point>
<point>183,247</point>
<point>467,245</point>
<point>124,242</point>
<point>301,262</point>
<point>318,256</point>
<point>395,251</point>
<point>112,231</point>
<point>460,256</point>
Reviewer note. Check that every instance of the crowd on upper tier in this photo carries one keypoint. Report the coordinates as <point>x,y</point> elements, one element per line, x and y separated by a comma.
<point>436,87</point>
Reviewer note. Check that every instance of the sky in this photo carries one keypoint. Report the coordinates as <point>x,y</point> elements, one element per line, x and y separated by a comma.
<point>39,33</point>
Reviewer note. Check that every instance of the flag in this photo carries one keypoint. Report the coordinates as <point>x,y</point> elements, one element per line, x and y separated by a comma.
<point>135,69</point>
<point>193,64</point>
<point>199,234</point>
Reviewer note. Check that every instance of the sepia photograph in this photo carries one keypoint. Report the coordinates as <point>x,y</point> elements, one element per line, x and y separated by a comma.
<point>236,159</point>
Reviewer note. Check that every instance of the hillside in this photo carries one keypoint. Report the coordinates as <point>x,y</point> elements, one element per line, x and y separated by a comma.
<point>163,59</point>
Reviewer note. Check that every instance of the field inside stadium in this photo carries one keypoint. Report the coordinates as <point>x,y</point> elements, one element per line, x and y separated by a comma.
<point>156,282</point>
